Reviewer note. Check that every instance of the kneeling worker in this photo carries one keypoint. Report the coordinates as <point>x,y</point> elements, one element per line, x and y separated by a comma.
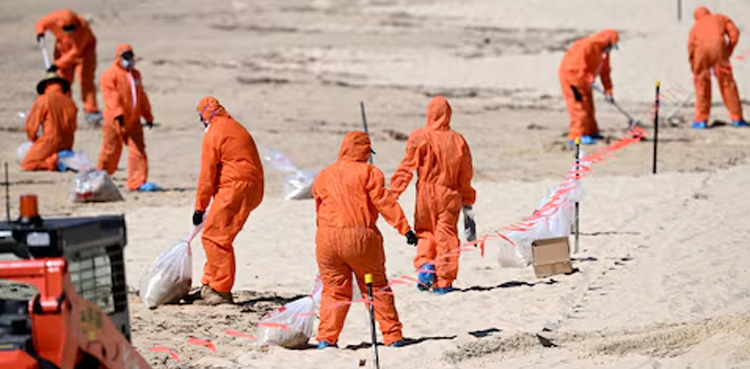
<point>54,114</point>
<point>231,173</point>
<point>349,194</point>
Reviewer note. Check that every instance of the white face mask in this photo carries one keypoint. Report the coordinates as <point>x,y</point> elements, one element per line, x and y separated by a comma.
<point>126,63</point>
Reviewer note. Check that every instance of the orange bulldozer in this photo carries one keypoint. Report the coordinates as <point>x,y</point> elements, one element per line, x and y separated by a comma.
<point>63,298</point>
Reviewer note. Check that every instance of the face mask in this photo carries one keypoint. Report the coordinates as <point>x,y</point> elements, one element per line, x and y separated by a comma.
<point>126,63</point>
<point>69,29</point>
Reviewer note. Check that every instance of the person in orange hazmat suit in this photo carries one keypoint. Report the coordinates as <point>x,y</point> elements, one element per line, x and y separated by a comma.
<point>54,116</point>
<point>75,53</point>
<point>442,160</point>
<point>125,102</point>
<point>349,194</point>
<point>710,45</point>
<point>231,173</point>
<point>586,59</point>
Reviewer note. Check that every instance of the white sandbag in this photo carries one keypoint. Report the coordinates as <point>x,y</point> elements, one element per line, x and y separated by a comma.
<point>170,276</point>
<point>94,186</point>
<point>22,150</point>
<point>290,326</point>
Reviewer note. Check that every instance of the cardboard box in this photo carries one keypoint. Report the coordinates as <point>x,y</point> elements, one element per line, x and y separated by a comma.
<point>551,256</point>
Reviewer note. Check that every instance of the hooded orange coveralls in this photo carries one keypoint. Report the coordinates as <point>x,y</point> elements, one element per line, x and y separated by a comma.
<point>56,113</point>
<point>349,194</point>
<point>73,53</point>
<point>231,173</point>
<point>442,159</point>
<point>124,96</point>
<point>708,49</point>
<point>582,63</point>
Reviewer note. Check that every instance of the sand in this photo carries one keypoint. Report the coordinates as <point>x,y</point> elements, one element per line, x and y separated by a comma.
<point>662,278</point>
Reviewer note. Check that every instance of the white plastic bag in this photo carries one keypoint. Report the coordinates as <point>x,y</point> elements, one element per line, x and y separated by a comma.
<point>298,184</point>
<point>94,186</point>
<point>170,276</point>
<point>22,150</point>
<point>290,326</point>
<point>79,161</point>
<point>557,224</point>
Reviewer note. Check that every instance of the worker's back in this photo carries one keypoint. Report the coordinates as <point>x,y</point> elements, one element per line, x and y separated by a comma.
<point>238,155</point>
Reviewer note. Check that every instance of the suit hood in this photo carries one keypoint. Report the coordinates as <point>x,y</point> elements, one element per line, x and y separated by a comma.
<point>701,12</point>
<point>355,147</point>
<point>122,48</point>
<point>209,107</point>
<point>606,38</point>
<point>439,113</point>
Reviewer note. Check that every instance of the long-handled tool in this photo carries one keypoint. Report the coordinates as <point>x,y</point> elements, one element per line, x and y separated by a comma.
<point>364,123</point>
<point>371,310</point>
<point>631,121</point>
<point>578,168</point>
<point>45,54</point>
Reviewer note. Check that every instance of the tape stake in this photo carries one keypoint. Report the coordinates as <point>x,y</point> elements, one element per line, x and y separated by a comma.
<point>165,349</point>
<point>201,342</point>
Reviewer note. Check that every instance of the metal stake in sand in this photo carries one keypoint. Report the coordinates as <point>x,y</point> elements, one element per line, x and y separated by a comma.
<point>656,125</point>
<point>7,194</point>
<point>45,54</point>
<point>578,168</point>
<point>371,310</point>
<point>364,122</point>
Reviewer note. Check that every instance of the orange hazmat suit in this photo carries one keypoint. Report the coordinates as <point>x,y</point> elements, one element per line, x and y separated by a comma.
<point>583,62</point>
<point>349,194</point>
<point>442,160</point>
<point>710,44</point>
<point>55,113</point>
<point>124,96</point>
<point>231,173</point>
<point>74,53</point>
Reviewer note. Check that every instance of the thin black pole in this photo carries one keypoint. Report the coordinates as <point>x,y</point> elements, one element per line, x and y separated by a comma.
<point>7,194</point>
<point>578,168</point>
<point>364,122</point>
<point>656,126</point>
<point>371,309</point>
<point>679,10</point>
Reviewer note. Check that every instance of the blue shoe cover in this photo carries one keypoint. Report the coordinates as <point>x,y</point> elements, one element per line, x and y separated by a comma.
<point>426,278</point>
<point>148,187</point>
<point>442,291</point>
<point>585,140</point>
<point>700,125</point>
<point>399,343</point>
<point>324,345</point>
<point>739,123</point>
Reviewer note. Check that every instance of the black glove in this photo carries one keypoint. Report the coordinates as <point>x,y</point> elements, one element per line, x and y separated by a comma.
<point>198,217</point>
<point>576,93</point>
<point>150,125</point>
<point>52,68</point>
<point>39,37</point>
<point>411,238</point>
<point>120,119</point>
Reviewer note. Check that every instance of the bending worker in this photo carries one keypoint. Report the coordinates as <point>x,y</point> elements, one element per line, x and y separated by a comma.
<point>442,160</point>
<point>75,52</point>
<point>349,194</point>
<point>125,102</point>
<point>710,45</point>
<point>231,173</point>
<point>51,125</point>
<point>586,59</point>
